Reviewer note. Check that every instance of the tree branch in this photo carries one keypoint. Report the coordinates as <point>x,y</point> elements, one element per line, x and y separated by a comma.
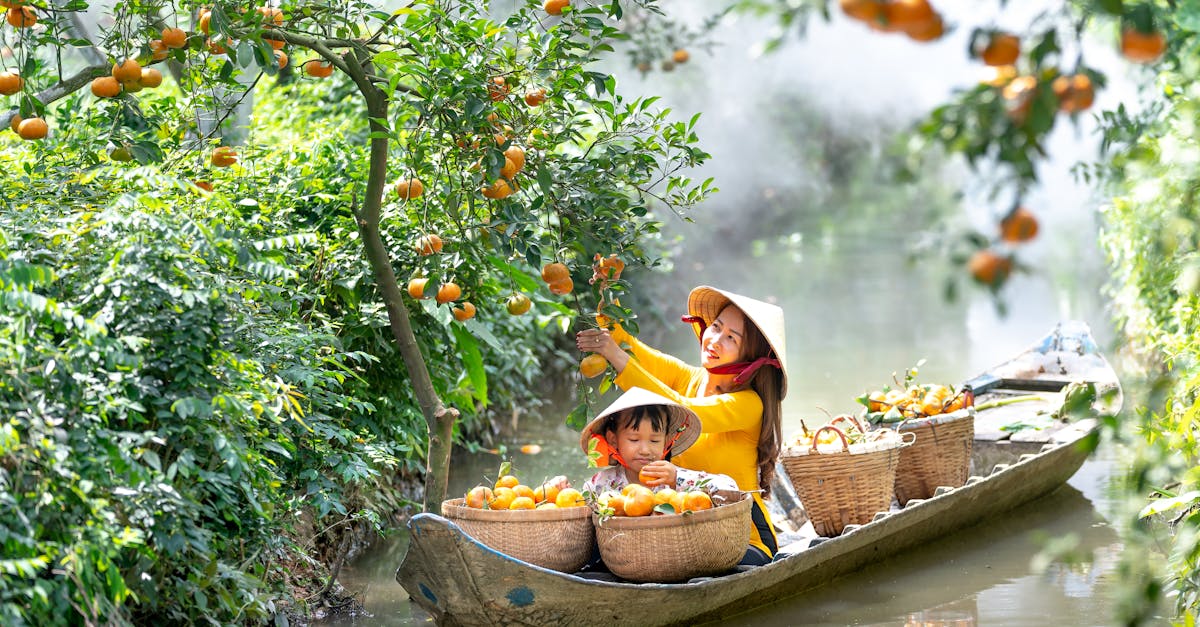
<point>62,90</point>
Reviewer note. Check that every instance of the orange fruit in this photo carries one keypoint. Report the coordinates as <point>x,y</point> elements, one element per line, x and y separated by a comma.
<point>273,16</point>
<point>523,490</point>
<point>678,502</point>
<point>562,287</point>
<point>546,505</point>
<point>634,488</point>
<point>429,244</point>
<point>696,500</point>
<point>522,502</point>
<point>158,50</point>
<point>281,58</point>
<point>862,10</point>
<point>508,481</point>
<point>215,48</point>
<point>277,44</point>
<point>639,504</point>
<point>499,189</point>
<point>555,7</point>
<point>464,312</point>
<point>569,497</point>
<point>318,69</point>
<point>680,56</point>
<point>904,14</point>
<point>15,122</point>
<point>10,83</point>
<point>203,24</point>
<point>224,156</point>
<point>22,17</point>
<point>928,30</point>
<point>478,496</point>
<point>1142,47</point>
<point>448,292</point>
<point>1001,49</point>
<point>1018,226</point>
<point>546,492</point>
<point>664,496</point>
<point>204,185</point>
<point>408,189</point>
<point>989,268</point>
<point>593,366</point>
<point>555,271</point>
<point>416,288</point>
<point>518,304</point>
<point>1019,95</point>
<point>509,169</point>
<point>611,265</point>
<point>33,128</point>
<point>174,37</point>
<point>617,503</point>
<point>151,78</point>
<point>497,89</point>
<point>105,87</point>
<point>127,71</point>
<point>517,155</point>
<point>502,498</point>
<point>1075,93</point>
<point>535,97</point>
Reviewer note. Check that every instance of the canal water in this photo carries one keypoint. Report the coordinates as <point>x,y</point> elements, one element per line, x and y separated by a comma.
<point>857,312</point>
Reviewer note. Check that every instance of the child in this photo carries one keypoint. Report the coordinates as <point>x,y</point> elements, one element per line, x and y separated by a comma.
<point>633,440</point>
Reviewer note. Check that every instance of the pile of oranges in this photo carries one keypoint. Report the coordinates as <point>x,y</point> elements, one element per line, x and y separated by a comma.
<point>915,401</point>
<point>636,499</point>
<point>509,493</point>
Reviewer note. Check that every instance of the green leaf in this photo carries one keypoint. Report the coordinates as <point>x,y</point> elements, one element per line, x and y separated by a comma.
<point>468,350</point>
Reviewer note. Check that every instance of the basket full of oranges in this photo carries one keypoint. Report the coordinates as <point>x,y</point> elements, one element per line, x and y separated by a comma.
<point>544,526</point>
<point>667,536</point>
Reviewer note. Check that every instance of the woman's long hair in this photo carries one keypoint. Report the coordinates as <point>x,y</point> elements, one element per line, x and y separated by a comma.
<point>768,382</point>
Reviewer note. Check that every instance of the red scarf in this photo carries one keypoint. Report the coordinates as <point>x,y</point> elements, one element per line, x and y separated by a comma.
<point>742,370</point>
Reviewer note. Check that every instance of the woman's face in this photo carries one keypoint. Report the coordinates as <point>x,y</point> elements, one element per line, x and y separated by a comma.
<point>722,341</point>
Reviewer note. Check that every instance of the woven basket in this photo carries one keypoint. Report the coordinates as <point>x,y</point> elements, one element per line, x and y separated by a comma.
<point>558,539</point>
<point>843,487</point>
<point>677,547</point>
<point>940,456</point>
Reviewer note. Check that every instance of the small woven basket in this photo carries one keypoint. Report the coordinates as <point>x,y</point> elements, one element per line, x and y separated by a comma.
<point>940,456</point>
<point>559,539</point>
<point>677,547</point>
<point>843,487</point>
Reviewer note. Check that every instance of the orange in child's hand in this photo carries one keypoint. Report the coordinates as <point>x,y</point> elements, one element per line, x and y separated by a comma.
<point>479,496</point>
<point>639,503</point>
<point>645,478</point>
<point>507,481</point>
<point>569,497</point>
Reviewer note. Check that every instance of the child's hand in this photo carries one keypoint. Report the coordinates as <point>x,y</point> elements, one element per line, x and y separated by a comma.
<point>559,481</point>
<point>657,474</point>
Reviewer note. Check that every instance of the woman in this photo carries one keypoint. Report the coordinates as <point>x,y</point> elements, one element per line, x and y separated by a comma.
<point>737,393</point>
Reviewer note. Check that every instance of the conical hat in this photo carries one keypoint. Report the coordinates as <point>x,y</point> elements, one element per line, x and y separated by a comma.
<point>680,419</point>
<point>707,303</point>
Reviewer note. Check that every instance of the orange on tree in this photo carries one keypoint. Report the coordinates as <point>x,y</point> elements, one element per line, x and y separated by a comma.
<point>224,156</point>
<point>1075,93</point>
<point>535,97</point>
<point>151,78</point>
<point>569,497</point>
<point>517,155</point>
<point>1142,47</point>
<point>216,48</point>
<point>174,37</point>
<point>1019,95</point>
<point>318,68</point>
<point>862,10</point>
<point>502,497</point>
<point>497,88</point>
<point>1001,49</point>
<point>478,496</point>
<point>158,50</point>
<point>609,267</point>
<point>429,244</point>
<point>555,7</point>
<point>522,502</point>
<point>464,312</point>
<point>509,169</point>
<point>448,292</point>
<point>22,17</point>
<point>989,267</point>
<point>555,271</point>
<point>407,189</point>
<point>500,189</point>
<point>1019,225</point>
<point>905,14</point>
<point>10,83</point>
<point>127,71</point>
<point>277,44</point>
<point>680,56</point>
<point>204,185</point>
<point>416,287</point>
<point>593,365</point>
<point>273,16</point>
<point>562,287</point>
<point>33,128</point>
<point>518,304</point>
<point>205,18</point>
<point>928,30</point>
<point>15,122</point>
<point>281,59</point>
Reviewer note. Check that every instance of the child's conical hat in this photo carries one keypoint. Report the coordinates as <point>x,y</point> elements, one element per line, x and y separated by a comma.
<point>682,423</point>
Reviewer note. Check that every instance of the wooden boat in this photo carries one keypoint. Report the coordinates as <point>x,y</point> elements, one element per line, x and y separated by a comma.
<point>462,582</point>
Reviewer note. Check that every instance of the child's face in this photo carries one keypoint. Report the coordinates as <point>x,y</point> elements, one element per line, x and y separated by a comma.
<point>638,445</point>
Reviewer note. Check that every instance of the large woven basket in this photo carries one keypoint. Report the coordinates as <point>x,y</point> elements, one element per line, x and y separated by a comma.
<point>843,487</point>
<point>940,456</point>
<point>559,539</point>
<point>677,547</point>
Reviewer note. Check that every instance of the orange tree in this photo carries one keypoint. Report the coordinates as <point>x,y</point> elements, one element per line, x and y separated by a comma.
<point>206,329</point>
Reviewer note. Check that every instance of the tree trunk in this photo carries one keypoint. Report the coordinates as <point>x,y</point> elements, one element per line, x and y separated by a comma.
<point>439,420</point>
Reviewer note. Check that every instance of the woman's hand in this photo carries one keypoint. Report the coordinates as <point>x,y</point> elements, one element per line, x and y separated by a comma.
<point>601,341</point>
<point>657,474</point>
